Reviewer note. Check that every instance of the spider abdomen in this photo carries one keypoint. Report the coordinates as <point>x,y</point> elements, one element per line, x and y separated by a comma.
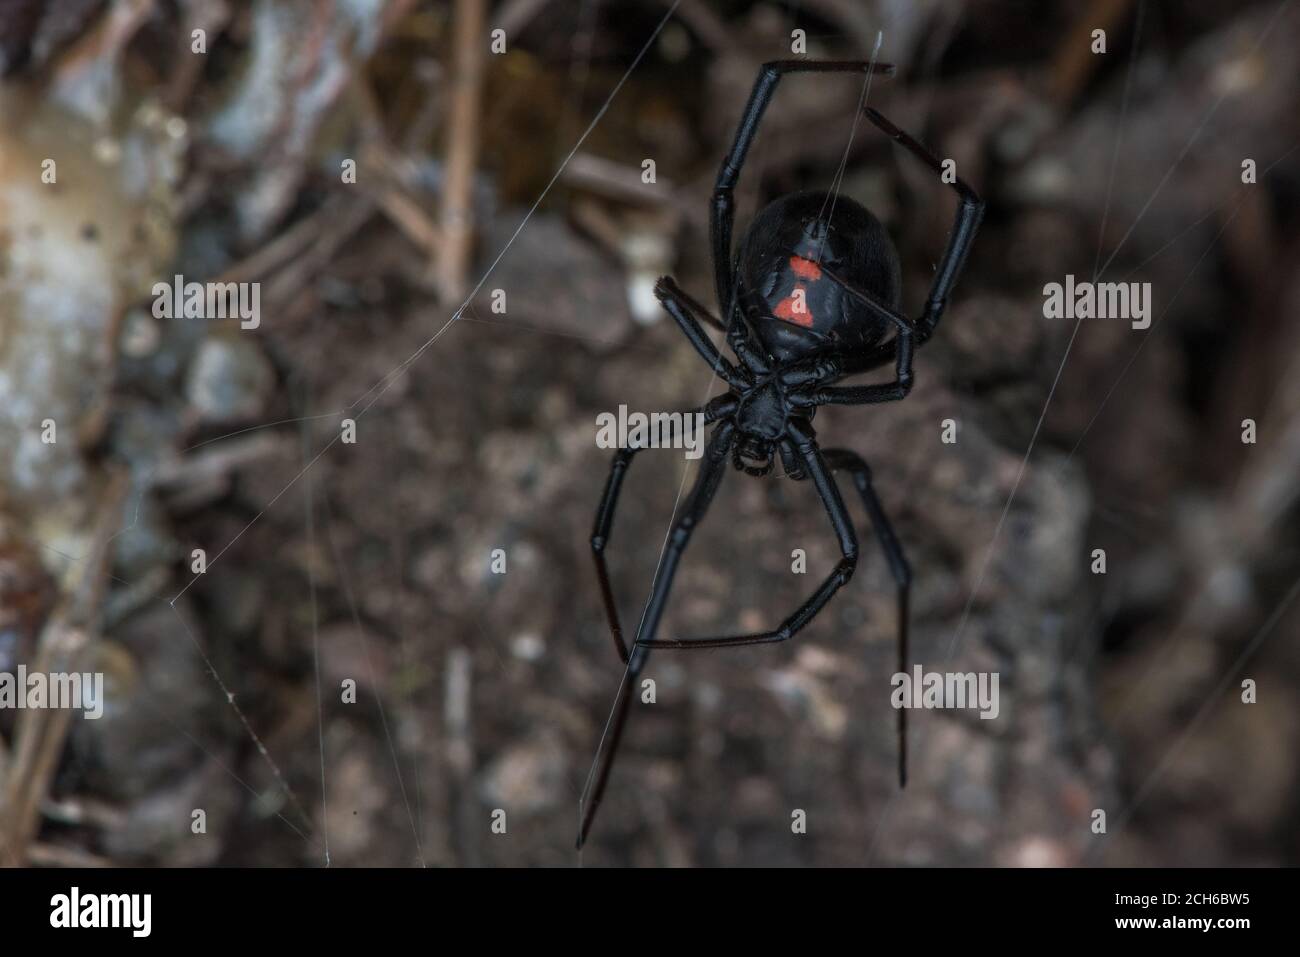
<point>793,307</point>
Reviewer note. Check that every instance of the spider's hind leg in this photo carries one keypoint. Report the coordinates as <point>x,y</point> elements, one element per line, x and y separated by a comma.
<point>970,212</point>
<point>853,463</point>
<point>722,212</point>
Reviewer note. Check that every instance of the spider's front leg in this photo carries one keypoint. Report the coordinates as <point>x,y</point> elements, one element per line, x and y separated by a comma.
<point>853,463</point>
<point>718,408</point>
<point>706,486</point>
<point>804,445</point>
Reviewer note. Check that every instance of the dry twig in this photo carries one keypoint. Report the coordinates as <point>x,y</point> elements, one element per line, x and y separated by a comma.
<point>39,733</point>
<point>466,89</point>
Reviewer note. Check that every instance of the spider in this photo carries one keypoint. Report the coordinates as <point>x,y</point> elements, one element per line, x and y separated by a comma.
<point>811,298</point>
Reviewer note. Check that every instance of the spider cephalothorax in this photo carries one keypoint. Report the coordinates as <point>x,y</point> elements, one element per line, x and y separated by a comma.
<point>812,298</point>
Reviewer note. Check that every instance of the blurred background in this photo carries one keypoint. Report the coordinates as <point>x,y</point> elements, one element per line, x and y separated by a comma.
<point>373,164</point>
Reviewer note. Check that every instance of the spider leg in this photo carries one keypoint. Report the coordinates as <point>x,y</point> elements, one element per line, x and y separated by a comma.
<point>866,394</point>
<point>693,305</point>
<point>737,337</point>
<point>721,406</point>
<point>868,359</point>
<point>872,302</point>
<point>970,210</point>
<point>712,469</point>
<point>852,463</point>
<point>807,450</point>
<point>678,305</point>
<point>722,213</point>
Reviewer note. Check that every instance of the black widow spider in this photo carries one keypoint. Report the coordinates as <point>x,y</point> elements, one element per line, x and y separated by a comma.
<point>810,300</point>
